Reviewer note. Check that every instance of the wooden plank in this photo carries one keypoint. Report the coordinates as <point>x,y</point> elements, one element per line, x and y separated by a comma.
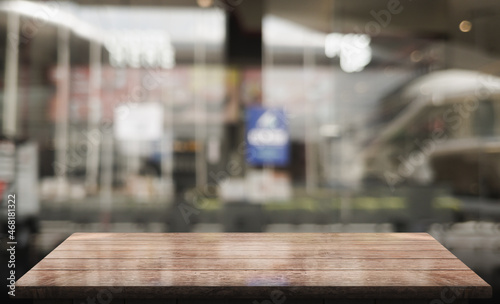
<point>232,237</point>
<point>245,247</point>
<point>186,292</point>
<point>249,264</point>
<point>197,237</point>
<point>395,281</point>
<point>210,253</point>
<point>176,242</point>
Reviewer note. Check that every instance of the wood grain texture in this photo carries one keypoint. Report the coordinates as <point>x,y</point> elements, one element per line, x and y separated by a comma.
<point>251,265</point>
<point>321,264</point>
<point>240,246</point>
<point>360,253</point>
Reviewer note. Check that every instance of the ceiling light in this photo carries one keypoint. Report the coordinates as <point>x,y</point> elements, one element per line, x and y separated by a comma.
<point>465,26</point>
<point>205,3</point>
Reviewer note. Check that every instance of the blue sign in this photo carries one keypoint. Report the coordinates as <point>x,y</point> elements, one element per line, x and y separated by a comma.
<point>267,137</point>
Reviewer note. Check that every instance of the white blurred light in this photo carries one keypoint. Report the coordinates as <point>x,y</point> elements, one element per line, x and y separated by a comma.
<point>279,32</point>
<point>353,50</point>
<point>53,12</point>
<point>149,49</point>
<point>329,130</point>
<point>332,44</point>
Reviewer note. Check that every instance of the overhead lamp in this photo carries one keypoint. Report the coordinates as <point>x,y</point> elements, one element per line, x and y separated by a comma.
<point>205,3</point>
<point>465,26</point>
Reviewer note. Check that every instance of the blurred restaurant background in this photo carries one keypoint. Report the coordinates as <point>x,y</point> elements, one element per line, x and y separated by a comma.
<point>252,116</point>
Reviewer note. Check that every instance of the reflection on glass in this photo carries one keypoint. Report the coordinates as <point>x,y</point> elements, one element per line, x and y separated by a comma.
<point>134,118</point>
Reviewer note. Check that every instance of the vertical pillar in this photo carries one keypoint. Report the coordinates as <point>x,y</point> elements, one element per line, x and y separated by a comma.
<point>200,103</point>
<point>62,103</point>
<point>11,73</point>
<point>310,126</point>
<point>167,140</point>
<point>94,114</point>
<point>106,189</point>
<point>244,32</point>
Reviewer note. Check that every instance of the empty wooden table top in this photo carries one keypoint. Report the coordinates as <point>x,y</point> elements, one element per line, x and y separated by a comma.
<point>251,265</point>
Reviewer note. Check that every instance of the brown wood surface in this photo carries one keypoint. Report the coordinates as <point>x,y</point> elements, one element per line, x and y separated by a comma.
<point>251,265</point>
